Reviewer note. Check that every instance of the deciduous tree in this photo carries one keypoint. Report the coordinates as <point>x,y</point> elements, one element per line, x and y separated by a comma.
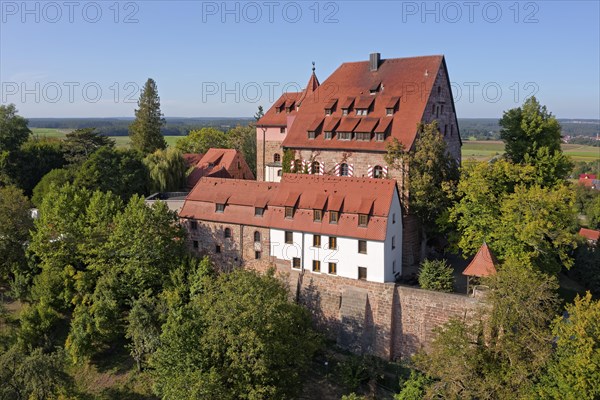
<point>199,141</point>
<point>167,170</point>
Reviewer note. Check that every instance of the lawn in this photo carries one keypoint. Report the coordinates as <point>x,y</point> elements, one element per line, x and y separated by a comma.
<point>122,141</point>
<point>482,150</point>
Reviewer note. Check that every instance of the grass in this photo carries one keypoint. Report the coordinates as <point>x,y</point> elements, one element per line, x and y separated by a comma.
<point>483,150</point>
<point>121,141</point>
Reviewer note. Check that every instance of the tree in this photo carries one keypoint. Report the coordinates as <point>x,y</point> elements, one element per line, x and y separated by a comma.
<point>145,130</point>
<point>527,129</point>
<point>436,275</point>
<point>143,328</point>
<point>287,159</point>
<point>120,171</point>
<point>13,129</point>
<point>574,371</point>
<point>415,387</point>
<point>57,177</point>
<point>36,158</point>
<point>81,143</point>
<point>167,170</point>
<point>199,141</point>
<point>500,352</point>
<point>15,223</point>
<point>259,114</point>
<point>592,212</point>
<point>432,173</point>
<point>241,338</point>
<point>243,139</point>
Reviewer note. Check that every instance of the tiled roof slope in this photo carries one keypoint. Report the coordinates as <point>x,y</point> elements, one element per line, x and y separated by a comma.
<point>350,196</point>
<point>220,163</point>
<point>483,264</point>
<point>410,79</point>
<point>590,234</point>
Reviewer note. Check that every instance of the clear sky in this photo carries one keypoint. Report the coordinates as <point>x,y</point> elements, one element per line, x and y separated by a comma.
<point>213,58</point>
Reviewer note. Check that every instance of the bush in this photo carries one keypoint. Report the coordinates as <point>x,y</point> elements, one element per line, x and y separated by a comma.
<point>436,275</point>
<point>357,370</point>
<point>415,387</point>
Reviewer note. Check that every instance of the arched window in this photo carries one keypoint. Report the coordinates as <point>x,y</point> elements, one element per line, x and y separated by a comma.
<point>344,169</point>
<point>315,168</point>
<point>256,236</point>
<point>227,232</point>
<point>378,172</point>
<point>279,172</point>
<point>297,166</point>
<point>276,157</point>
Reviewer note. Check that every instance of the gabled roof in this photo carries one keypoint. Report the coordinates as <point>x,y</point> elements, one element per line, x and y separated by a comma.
<point>410,79</point>
<point>351,196</point>
<point>483,264</point>
<point>590,234</point>
<point>220,163</point>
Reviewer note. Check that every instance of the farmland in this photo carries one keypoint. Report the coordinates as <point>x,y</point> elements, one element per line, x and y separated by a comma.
<point>482,150</point>
<point>121,141</point>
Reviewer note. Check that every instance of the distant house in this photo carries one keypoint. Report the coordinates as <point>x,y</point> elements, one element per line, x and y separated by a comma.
<point>217,163</point>
<point>592,236</point>
<point>589,180</point>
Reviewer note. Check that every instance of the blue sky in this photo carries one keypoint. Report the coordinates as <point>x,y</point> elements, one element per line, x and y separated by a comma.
<point>210,58</point>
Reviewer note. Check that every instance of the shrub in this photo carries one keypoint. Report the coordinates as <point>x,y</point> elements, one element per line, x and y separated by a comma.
<point>436,275</point>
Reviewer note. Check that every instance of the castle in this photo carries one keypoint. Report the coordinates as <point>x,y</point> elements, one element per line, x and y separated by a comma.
<point>338,234</point>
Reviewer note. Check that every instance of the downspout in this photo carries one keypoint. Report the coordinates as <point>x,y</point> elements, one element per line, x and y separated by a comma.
<point>301,274</point>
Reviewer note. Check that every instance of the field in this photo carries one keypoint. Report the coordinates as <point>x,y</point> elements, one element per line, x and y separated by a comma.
<point>482,150</point>
<point>121,141</point>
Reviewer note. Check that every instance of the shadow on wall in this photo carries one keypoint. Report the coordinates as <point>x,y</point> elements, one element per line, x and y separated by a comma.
<point>220,243</point>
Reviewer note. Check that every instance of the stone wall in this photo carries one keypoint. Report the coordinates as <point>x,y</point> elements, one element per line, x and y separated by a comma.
<point>270,148</point>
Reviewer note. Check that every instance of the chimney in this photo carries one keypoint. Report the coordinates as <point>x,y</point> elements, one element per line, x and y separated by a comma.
<point>374,61</point>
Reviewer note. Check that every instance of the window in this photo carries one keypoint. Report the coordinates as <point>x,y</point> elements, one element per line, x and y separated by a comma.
<point>227,233</point>
<point>362,273</point>
<point>442,109</point>
<point>362,246</point>
<point>328,135</point>
<point>195,244</point>
<point>380,137</point>
<point>378,172</point>
<point>363,136</point>
<point>282,129</point>
<point>394,266</point>
<point>217,249</point>
<point>311,134</point>
<point>256,236</point>
<point>315,168</point>
<point>193,225</point>
<point>437,111</point>
<point>344,111</point>
<point>332,242</point>
<point>257,255</point>
<point>393,242</point>
<point>316,266</point>
<point>363,220</point>
<point>316,240</point>
<point>445,129</point>
<point>328,111</point>
<point>345,135</point>
<point>279,172</point>
<point>289,237</point>
<point>317,215</point>
<point>220,208</point>
<point>439,89</point>
<point>361,111</point>
<point>259,211</point>
<point>296,262</point>
<point>333,217</point>
<point>276,157</point>
<point>433,108</point>
<point>389,111</point>
<point>344,170</point>
<point>333,268</point>
<point>393,218</point>
<point>289,212</point>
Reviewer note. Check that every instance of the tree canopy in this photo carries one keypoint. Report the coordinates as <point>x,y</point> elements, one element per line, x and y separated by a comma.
<point>145,131</point>
<point>167,170</point>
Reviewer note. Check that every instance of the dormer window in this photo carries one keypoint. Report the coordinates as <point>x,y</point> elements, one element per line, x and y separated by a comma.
<point>380,137</point>
<point>334,217</point>
<point>363,136</point>
<point>311,134</point>
<point>389,111</point>
<point>289,212</point>
<point>282,129</point>
<point>363,220</point>
<point>362,111</point>
<point>344,111</point>
<point>328,111</point>
<point>375,88</point>
<point>328,135</point>
<point>259,211</point>
<point>345,135</point>
<point>317,215</point>
<point>220,208</point>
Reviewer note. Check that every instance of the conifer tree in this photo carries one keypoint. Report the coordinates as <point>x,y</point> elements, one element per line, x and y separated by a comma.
<point>145,130</point>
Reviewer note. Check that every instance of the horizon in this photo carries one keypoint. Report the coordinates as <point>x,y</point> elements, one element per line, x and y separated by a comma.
<point>90,60</point>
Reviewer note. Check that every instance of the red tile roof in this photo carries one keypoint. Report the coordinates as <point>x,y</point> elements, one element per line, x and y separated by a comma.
<point>587,176</point>
<point>483,264</point>
<point>411,79</point>
<point>274,118</point>
<point>351,196</point>
<point>192,159</point>
<point>220,163</point>
<point>590,234</point>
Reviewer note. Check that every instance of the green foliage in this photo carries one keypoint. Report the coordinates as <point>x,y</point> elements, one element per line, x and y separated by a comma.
<point>119,171</point>
<point>353,396</point>
<point>357,370</point>
<point>15,223</point>
<point>552,167</point>
<point>240,339</point>
<point>57,177</point>
<point>527,129</point>
<point>415,387</point>
<point>592,211</point>
<point>259,114</point>
<point>34,376</point>
<point>36,158</point>
<point>199,141</point>
<point>574,371</point>
<point>436,275</point>
<point>499,203</point>
<point>37,322</point>
<point>13,129</point>
<point>243,139</point>
<point>500,353</point>
<point>145,131</point>
<point>143,328</point>
<point>82,143</point>
<point>167,170</point>
<point>286,160</point>
<point>587,267</point>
